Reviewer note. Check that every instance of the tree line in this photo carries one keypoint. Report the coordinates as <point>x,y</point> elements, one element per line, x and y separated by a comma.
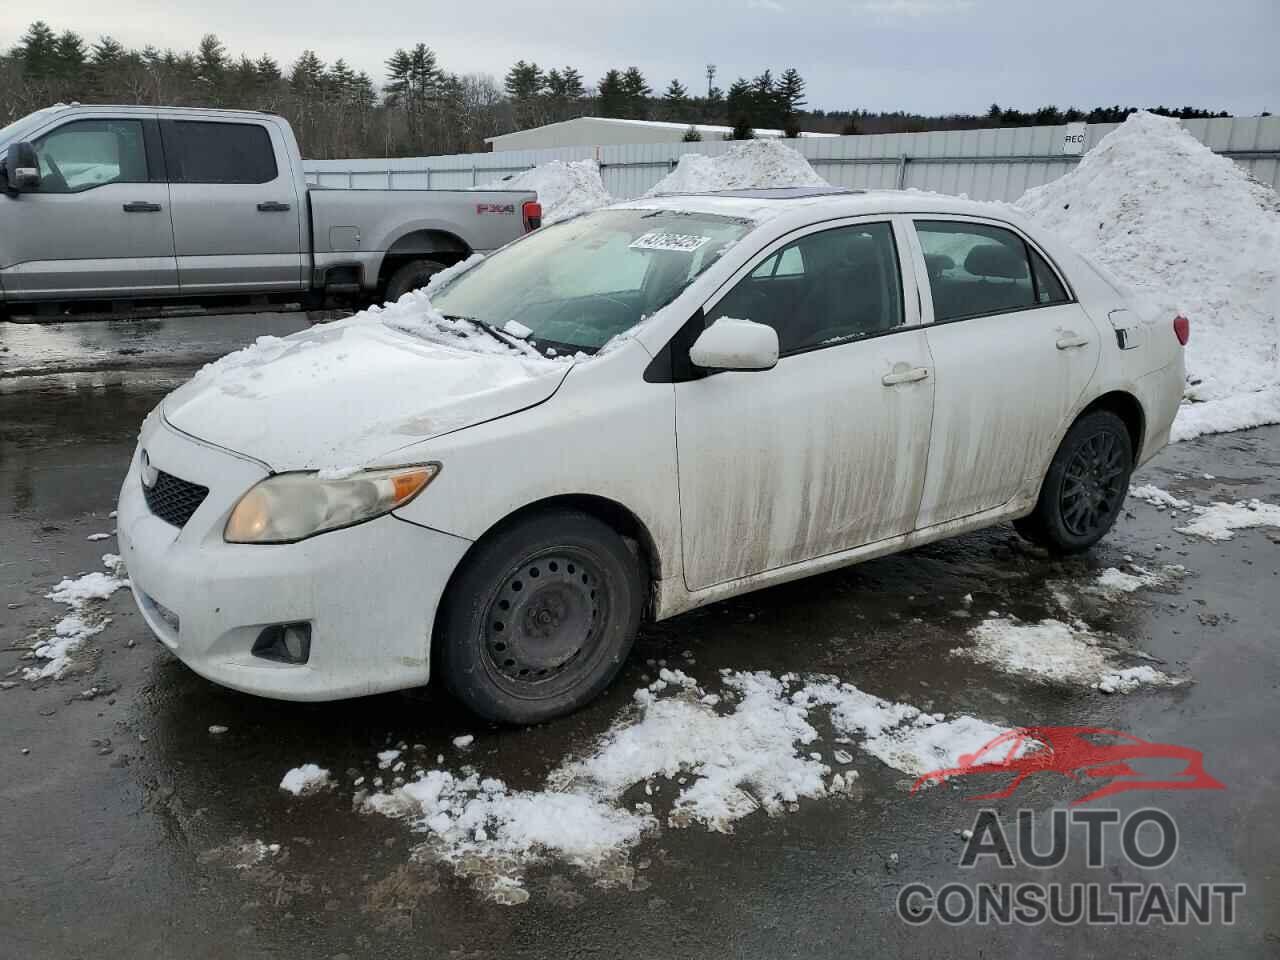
<point>418,107</point>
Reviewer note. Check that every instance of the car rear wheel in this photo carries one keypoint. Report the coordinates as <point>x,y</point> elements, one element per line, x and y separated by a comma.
<point>540,618</point>
<point>1085,486</point>
<point>412,276</point>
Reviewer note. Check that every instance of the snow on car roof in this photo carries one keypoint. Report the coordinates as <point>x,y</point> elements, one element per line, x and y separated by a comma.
<point>766,204</point>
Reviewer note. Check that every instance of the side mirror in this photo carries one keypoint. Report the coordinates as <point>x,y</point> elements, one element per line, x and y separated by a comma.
<point>730,344</point>
<point>21,167</point>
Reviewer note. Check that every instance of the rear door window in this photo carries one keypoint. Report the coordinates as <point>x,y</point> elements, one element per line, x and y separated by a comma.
<point>976,269</point>
<point>201,151</point>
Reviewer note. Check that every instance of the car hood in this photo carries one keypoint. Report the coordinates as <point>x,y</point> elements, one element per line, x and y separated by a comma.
<point>348,394</point>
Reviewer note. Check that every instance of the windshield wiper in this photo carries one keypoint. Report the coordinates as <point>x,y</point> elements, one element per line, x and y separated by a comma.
<point>497,333</point>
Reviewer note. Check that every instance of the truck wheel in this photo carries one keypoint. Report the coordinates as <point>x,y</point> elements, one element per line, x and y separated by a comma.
<point>412,276</point>
<point>1085,486</point>
<point>540,618</point>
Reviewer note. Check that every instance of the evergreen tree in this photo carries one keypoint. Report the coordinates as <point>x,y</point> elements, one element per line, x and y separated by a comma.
<point>766,110</point>
<point>790,98</point>
<point>675,102</point>
<point>37,51</point>
<point>211,69</point>
<point>740,108</point>
<point>525,84</point>
<point>268,69</point>
<point>611,96</point>
<point>636,93</point>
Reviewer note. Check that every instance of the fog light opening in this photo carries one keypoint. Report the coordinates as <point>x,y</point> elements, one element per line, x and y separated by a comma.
<point>284,643</point>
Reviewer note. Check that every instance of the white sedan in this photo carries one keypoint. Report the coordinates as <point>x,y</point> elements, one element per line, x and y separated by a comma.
<point>625,416</point>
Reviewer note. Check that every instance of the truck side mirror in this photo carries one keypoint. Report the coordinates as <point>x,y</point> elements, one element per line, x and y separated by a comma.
<point>21,167</point>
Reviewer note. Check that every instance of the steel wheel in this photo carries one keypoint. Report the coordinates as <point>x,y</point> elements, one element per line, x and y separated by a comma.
<point>1093,485</point>
<point>544,618</point>
<point>539,617</point>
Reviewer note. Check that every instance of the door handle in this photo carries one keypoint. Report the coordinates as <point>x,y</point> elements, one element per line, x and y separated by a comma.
<point>906,376</point>
<point>139,206</point>
<point>272,206</point>
<point>1071,341</point>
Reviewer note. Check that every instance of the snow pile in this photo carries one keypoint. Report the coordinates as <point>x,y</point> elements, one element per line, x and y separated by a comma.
<point>747,165</point>
<point>306,779</point>
<point>1113,581</point>
<point>1190,232</point>
<point>708,759</point>
<point>84,621</point>
<point>742,761</point>
<point>1054,652</point>
<point>1220,520</point>
<point>448,274</point>
<point>565,189</point>
<point>1160,499</point>
<point>414,314</point>
<point>927,746</point>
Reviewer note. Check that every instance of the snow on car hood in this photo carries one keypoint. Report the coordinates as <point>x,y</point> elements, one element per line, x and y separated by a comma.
<point>344,395</point>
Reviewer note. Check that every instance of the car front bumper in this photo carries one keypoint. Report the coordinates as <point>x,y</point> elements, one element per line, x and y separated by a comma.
<point>369,592</point>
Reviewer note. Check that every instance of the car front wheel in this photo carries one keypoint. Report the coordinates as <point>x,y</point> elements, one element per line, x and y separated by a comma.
<point>540,618</point>
<point>1085,486</point>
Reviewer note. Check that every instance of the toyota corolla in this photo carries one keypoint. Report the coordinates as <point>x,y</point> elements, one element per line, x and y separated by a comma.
<point>625,416</point>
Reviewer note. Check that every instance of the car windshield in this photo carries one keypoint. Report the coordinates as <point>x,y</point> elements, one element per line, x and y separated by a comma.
<point>577,284</point>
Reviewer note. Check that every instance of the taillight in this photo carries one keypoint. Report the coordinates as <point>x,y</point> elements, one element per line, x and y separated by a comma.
<point>1182,329</point>
<point>532,211</point>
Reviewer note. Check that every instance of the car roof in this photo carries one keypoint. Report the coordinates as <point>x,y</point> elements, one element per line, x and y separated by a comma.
<point>832,202</point>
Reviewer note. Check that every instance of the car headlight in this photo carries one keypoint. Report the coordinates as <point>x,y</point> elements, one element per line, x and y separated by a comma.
<point>293,506</point>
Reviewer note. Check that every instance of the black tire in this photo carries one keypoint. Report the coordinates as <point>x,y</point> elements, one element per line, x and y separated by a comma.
<point>1085,486</point>
<point>540,618</point>
<point>412,276</point>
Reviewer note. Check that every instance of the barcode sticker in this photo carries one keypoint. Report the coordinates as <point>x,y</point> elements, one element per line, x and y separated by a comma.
<point>680,242</point>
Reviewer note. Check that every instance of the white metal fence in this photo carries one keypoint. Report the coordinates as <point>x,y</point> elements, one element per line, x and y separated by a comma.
<point>984,164</point>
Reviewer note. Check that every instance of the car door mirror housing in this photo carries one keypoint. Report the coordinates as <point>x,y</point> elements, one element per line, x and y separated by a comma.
<point>22,169</point>
<point>731,344</point>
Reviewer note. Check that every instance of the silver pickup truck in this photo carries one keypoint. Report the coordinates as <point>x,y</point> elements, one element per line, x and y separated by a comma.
<point>135,209</point>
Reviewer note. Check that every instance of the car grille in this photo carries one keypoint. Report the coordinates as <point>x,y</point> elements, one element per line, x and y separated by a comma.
<point>173,499</point>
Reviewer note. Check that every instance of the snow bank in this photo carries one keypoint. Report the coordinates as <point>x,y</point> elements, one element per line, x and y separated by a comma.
<point>747,165</point>
<point>1190,232</point>
<point>83,622</point>
<point>565,189</point>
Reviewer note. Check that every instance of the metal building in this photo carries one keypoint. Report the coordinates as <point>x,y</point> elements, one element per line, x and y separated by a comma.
<point>607,131</point>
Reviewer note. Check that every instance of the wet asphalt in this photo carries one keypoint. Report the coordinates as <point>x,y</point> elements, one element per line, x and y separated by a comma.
<point>118,826</point>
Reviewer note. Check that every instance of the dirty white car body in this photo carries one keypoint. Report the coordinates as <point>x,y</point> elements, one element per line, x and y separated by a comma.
<point>845,450</point>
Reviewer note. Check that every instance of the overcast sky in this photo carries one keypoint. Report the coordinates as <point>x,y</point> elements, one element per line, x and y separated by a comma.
<point>931,56</point>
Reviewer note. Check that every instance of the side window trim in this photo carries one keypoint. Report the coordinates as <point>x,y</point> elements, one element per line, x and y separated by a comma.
<point>926,289</point>
<point>157,169</point>
<point>906,275</point>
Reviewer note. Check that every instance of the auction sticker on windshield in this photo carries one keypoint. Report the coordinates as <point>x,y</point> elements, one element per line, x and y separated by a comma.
<point>682,242</point>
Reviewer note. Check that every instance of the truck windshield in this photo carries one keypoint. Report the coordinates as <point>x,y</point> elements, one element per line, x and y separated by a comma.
<point>17,130</point>
<point>576,284</point>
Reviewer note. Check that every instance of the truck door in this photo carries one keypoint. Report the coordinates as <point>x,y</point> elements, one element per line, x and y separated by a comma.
<point>237,224</point>
<point>98,225</point>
